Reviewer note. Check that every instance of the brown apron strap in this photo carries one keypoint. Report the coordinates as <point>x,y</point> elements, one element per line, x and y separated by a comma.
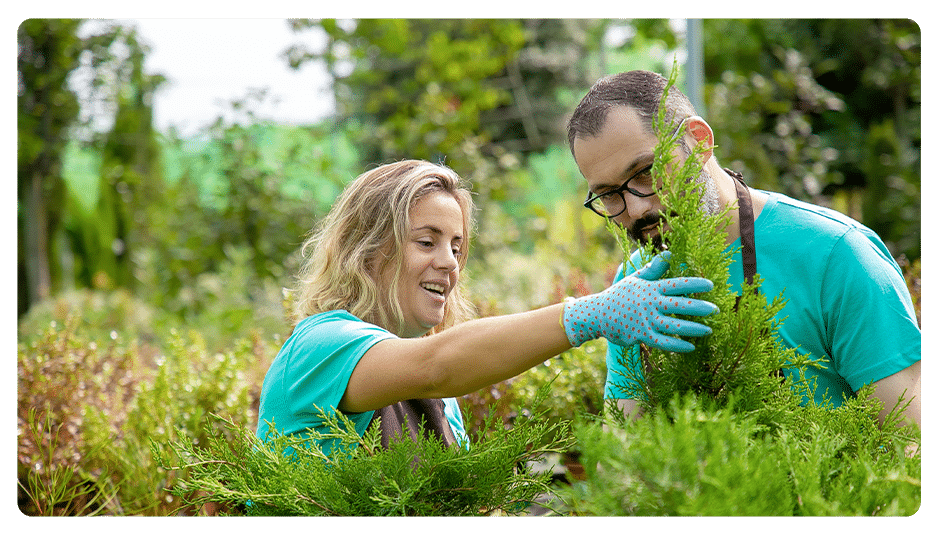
<point>411,412</point>
<point>746,226</point>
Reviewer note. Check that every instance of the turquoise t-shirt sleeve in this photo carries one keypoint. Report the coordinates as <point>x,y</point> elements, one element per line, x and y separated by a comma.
<point>868,314</point>
<point>313,369</point>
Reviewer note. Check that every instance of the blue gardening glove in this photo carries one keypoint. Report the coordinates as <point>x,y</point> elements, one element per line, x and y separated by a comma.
<point>636,310</point>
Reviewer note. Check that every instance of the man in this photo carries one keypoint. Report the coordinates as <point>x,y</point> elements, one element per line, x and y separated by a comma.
<point>847,301</point>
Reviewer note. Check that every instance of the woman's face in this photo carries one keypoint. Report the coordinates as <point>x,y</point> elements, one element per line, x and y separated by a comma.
<point>430,261</point>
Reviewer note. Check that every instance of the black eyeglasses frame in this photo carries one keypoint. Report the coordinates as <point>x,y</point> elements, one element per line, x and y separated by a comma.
<point>623,188</point>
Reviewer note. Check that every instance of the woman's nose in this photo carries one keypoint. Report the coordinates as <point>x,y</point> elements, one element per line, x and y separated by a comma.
<point>446,260</point>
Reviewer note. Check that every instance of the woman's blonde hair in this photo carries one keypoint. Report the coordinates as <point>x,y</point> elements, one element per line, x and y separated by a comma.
<point>352,260</point>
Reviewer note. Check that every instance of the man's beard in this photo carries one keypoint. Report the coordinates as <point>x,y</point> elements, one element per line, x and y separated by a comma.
<point>709,203</point>
<point>647,221</point>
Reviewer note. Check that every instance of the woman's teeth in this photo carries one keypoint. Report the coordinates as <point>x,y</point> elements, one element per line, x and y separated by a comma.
<point>437,288</point>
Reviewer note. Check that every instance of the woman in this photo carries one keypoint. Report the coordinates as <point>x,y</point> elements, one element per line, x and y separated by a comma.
<point>381,329</point>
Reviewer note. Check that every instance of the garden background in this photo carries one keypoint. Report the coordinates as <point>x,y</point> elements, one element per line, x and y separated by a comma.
<point>152,267</point>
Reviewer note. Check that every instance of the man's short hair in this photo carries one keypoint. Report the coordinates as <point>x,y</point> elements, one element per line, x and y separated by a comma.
<point>640,89</point>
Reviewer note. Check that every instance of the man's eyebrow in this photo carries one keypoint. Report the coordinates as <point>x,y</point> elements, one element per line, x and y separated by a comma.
<point>634,167</point>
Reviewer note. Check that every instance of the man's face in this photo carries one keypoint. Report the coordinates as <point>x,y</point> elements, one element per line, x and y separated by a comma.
<point>623,148</point>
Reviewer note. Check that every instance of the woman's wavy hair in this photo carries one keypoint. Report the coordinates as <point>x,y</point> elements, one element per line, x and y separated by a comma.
<point>352,260</point>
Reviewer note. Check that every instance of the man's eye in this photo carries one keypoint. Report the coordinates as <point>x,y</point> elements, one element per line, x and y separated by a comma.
<point>610,197</point>
<point>644,176</point>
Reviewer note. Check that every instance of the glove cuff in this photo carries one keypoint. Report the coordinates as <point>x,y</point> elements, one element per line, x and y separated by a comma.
<point>576,322</point>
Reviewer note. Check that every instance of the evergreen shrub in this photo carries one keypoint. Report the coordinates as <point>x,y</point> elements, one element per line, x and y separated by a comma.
<point>723,433</point>
<point>291,475</point>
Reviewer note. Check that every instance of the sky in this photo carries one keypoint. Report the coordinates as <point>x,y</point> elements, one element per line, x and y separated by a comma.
<point>210,62</point>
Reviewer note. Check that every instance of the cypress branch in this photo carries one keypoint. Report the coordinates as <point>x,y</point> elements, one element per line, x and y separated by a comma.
<point>290,475</point>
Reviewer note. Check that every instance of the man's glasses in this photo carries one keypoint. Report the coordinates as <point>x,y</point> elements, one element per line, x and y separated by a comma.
<point>610,204</point>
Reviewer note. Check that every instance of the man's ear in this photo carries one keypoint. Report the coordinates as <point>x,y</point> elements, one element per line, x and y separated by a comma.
<point>699,130</point>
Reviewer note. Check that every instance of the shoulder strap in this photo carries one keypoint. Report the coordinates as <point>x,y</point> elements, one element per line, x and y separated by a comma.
<point>746,226</point>
<point>430,411</point>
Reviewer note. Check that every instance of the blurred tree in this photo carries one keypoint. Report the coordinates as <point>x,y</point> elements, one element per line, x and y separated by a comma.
<point>462,89</point>
<point>131,186</point>
<point>243,201</point>
<point>49,214</point>
<point>480,95</point>
<point>48,50</point>
<point>825,110</point>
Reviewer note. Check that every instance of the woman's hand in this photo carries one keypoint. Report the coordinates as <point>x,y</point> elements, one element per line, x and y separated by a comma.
<point>638,309</point>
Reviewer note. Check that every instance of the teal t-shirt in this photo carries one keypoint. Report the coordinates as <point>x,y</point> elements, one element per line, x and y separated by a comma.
<point>846,298</point>
<point>313,368</point>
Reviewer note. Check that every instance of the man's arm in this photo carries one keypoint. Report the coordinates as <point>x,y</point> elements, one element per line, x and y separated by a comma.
<point>630,408</point>
<point>890,388</point>
<point>887,391</point>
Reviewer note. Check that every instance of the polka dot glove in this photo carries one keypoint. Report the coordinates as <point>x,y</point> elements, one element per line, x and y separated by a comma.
<point>637,309</point>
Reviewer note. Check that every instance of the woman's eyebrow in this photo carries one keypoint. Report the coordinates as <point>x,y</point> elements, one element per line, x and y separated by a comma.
<point>435,230</point>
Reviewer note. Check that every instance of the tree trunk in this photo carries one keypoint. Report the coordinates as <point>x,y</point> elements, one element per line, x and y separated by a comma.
<point>37,256</point>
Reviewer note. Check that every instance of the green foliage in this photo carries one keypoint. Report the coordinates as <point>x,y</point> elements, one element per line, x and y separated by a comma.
<point>825,110</point>
<point>51,487</point>
<point>47,51</point>
<point>61,377</point>
<point>423,87</point>
<point>697,458</point>
<point>683,461</point>
<point>722,433</point>
<point>290,475</point>
<point>100,401</point>
<point>576,377</point>
<point>419,85</point>
<point>189,384</point>
<point>244,203</point>
<point>99,315</point>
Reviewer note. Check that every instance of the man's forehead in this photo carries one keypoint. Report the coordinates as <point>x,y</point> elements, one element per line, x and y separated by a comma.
<point>622,124</point>
<point>616,150</point>
<point>625,118</point>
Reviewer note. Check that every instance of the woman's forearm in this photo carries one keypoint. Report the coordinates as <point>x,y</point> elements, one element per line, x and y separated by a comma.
<point>458,361</point>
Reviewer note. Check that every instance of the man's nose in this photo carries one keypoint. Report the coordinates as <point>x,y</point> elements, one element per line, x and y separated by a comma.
<point>636,207</point>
